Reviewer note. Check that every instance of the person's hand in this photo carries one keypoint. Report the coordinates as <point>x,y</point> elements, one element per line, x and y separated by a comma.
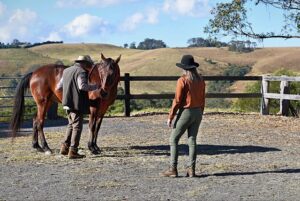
<point>98,92</point>
<point>169,123</point>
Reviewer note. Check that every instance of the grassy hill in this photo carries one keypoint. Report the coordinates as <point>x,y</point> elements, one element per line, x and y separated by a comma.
<point>151,62</point>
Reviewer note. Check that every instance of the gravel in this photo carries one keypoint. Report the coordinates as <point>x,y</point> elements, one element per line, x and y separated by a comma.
<point>240,157</point>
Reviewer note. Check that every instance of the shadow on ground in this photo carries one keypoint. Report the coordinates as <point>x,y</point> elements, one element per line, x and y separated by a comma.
<point>26,127</point>
<point>161,150</point>
<point>224,174</point>
<point>205,149</point>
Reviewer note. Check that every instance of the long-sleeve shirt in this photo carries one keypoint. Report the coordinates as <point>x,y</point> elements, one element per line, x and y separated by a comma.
<point>189,94</point>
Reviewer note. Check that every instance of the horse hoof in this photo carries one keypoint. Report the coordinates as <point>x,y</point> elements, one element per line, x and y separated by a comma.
<point>96,152</point>
<point>48,152</point>
<point>39,149</point>
<point>97,148</point>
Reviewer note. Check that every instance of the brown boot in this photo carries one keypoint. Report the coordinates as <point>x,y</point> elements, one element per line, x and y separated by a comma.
<point>73,154</point>
<point>64,150</point>
<point>171,172</point>
<point>190,172</point>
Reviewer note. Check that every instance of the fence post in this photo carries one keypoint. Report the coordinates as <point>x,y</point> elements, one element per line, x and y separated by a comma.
<point>284,104</point>
<point>264,109</point>
<point>127,94</point>
<point>52,112</point>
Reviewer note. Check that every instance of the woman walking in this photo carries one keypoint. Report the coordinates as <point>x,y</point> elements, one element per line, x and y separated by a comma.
<point>189,101</point>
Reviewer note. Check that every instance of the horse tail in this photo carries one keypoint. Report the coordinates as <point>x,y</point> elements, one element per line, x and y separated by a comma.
<point>18,110</point>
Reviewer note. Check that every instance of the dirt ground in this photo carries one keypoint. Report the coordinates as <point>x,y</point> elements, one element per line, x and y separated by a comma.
<point>240,157</point>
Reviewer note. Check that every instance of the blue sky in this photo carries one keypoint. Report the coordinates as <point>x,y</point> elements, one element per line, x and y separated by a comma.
<point>120,21</point>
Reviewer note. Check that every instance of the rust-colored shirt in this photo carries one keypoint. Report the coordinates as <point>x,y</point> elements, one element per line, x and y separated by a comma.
<point>189,94</point>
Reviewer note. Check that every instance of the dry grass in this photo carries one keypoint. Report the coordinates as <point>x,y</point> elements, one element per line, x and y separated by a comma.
<point>152,62</point>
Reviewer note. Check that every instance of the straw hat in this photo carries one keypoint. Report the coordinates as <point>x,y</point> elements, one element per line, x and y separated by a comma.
<point>84,58</point>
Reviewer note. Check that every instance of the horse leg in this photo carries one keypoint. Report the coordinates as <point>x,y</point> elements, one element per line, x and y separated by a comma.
<point>98,125</point>
<point>42,110</point>
<point>92,128</point>
<point>35,142</point>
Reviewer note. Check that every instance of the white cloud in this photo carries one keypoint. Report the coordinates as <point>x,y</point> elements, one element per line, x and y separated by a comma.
<point>80,3</point>
<point>22,17</point>
<point>132,22</point>
<point>18,25</point>
<point>2,8</point>
<point>5,34</point>
<point>53,36</point>
<point>86,24</point>
<point>198,8</point>
<point>152,16</point>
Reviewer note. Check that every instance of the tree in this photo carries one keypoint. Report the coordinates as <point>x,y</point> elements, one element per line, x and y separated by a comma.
<point>149,44</point>
<point>201,42</point>
<point>132,45</point>
<point>231,19</point>
<point>125,45</point>
<point>15,42</point>
<point>241,46</point>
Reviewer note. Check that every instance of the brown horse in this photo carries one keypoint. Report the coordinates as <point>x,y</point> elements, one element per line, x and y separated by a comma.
<point>42,83</point>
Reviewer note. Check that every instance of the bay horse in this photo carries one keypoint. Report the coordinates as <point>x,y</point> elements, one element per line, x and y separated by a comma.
<point>43,82</point>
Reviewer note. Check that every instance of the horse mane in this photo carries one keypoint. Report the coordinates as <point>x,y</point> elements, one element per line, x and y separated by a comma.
<point>94,66</point>
<point>60,66</point>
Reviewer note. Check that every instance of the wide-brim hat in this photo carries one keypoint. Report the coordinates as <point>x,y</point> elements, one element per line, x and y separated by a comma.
<point>84,58</point>
<point>187,62</point>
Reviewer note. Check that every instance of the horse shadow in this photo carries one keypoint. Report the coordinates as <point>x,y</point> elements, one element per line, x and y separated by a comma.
<point>26,128</point>
<point>204,149</point>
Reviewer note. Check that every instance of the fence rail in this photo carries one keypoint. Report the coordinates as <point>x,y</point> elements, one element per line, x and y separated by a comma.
<point>127,96</point>
<point>284,94</point>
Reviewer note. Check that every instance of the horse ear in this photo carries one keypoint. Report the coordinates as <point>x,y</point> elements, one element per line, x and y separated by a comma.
<point>103,57</point>
<point>118,59</point>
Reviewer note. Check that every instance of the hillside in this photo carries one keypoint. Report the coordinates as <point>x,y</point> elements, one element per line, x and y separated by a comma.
<point>151,62</point>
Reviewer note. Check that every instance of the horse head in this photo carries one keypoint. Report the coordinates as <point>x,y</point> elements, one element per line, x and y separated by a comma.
<point>109,74</point>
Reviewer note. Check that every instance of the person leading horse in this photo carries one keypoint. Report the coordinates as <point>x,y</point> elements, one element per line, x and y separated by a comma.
<point>43,84</point>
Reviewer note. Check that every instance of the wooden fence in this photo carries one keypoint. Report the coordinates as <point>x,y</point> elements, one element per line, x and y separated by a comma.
<point>284,96</point>
<point>127,96</point>
<point>264,95</point>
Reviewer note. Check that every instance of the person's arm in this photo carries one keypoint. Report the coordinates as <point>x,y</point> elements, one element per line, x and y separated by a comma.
<point>177,102</point>
<point>83,83</point>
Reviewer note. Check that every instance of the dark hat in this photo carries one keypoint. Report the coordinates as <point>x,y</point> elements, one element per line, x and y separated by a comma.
<point>187,62</point>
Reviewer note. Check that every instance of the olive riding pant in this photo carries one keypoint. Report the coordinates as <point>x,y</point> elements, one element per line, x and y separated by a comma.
<point>187,119</point>
<point>74,128</point>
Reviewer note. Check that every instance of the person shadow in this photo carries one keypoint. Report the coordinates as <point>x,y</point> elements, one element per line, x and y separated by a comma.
<point>204,149</point>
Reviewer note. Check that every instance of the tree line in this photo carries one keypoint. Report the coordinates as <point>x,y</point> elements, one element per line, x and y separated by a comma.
<point>149,44</point>
<point>237,46</point>
<point>18,44</point>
